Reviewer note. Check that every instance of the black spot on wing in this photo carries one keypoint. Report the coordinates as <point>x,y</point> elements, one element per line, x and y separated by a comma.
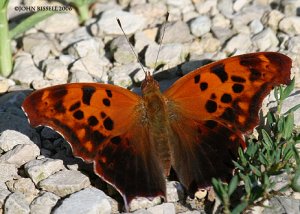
<point>228,114</point>
<point>102,114</point>
<point>219,70</point>
<point>108,92</point>
<point>210,124</point>
<point>97,137</point>
<point>197,79</point>
<point>211,106</point>
<point>249,60</point>
<point>93,121</point>
<point>78,115</point>
<point>59,107</point>
<point>106,102</point>
<point>58,93</point>
<point>203,86</point>
<point>254,74</point>
<point>116,140</point>
<point>213,96</point>
<point>237,88</point>
<point>87,93</point>
<point>108,124</point>
<point>226,98</point>
<point>237,79</point>
<point>75,106</point>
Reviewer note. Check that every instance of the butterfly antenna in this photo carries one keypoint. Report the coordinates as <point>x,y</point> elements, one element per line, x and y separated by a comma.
<point>161,38</point>
<point>138,59</point>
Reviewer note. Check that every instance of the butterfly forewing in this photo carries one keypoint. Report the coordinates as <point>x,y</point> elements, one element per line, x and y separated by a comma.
<point>103,124</point>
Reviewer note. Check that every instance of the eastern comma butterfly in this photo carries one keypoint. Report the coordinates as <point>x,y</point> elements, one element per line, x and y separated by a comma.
<point>195,127</point>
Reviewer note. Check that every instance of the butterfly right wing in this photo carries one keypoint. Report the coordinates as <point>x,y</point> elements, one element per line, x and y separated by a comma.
<point>104,124</point>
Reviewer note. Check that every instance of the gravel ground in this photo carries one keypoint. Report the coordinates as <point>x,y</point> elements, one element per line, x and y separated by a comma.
<point>38,173</point>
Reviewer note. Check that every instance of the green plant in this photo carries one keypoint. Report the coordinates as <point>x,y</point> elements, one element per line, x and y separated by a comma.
<point>82,7</point>
<point>272,154</point>
<point>6,35</point>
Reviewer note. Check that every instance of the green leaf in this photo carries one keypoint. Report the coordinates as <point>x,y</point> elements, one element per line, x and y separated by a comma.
<point>267,140</point>
<point>255,170</point>
<point>288,126</point>
<point>233,185</point>
<point>239,208</point>
<point>280,124</point>
<point>242,157</point>
<point>237,165</point>
<point>296,181</point>
<point>217,185</point>
<point>288,90</point>
<point>30,22</point>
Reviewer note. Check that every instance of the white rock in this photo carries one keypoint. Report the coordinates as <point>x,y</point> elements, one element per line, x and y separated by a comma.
<point>38,170</point>
<point>209,44</point>
<point>290,102</point>
<point>55,70</point>
<point>142,203</point>
<point>240,42</point>
<point>177,32</point>
<point>80,76</point>
<point>273,19</point>
<point>92,46</point>
<point>16,203</point>
<point>80,34</point>
<point>87,201</point>
<point>175,191</point>
<point>170,54</point>
<point>256,26</point>
<point>294,44</point>
<point>165,208</point>
<point>122,51</point>
<point>239,4</point>
<point>200,25</point>
<point>20,154</point>
<point>45,83</point>
<point>59,23</point>
<point>291,7</point>
<point>10,138</point>
<point>290,25</point>
<point>207,7</point>
<point>122,80</point>
<point>131,23</point>
<point>44,203</point>
<point>23,185</point>
<point>265,40</point>
<point>24,62</point>
<point>4,193</point>
<point>65,182</point>
<point>226,7</point>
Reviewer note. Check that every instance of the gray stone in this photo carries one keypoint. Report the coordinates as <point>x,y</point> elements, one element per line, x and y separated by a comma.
<point>38,170</point>
<point>55,70</point>
<point>241,42</point>
<point>24,62</point>
<point>49,133</point>
<point>170,54</point>
<point>87,201</point>
<point>4,193</point>
<point>209,44</point>
<point>265,40</point>
<point>175,191</point>
<point>79,34</point>
<point>290,25</point>
<point>239,4</point>
<point>65,182</point>
<point>122,80</point>
<point>122,51</point>
<point>165,208</point>
<point>290,102</point>
<point>46,83</point>
<point>294,45</point>
<point>89,47</point>
<point>225,7</point>
<point>5,84</point>
<point>256,26</point>
<point>207,7</point>
<point>23,185</point>
<point>142,203</point>
<point>200,25</point>
<point>20,154</point>
<point>59,23</point>
<point>80,76</point>
<point>144,38</point>
<point>131,23</point>
<point>177,32</point>
<point>8,172</point>
<point>283,205</point>
<point>16,203</point>
<point>273,18</point>
<point>10,138</point>
<point>291,7</point>
<point>44,203</point>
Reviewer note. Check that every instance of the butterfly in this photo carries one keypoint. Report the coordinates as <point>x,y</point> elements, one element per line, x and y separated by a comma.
<point>195,127</point>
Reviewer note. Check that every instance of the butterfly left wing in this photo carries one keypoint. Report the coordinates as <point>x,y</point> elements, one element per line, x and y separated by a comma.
<point>103,124</point>
<point>210,109</point>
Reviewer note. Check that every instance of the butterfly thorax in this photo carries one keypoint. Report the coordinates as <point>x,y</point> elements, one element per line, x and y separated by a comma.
<point>157,119</point>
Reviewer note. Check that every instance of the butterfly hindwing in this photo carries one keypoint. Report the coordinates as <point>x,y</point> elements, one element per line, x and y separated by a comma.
<point>102,123</point>
<point>211,107</point>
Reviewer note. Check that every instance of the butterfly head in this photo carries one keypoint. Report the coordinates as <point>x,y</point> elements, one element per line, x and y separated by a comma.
<point>149,84</point>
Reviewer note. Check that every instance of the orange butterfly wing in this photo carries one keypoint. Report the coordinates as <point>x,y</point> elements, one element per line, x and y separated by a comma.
<point>211,107</point>
<point>103,124</point>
